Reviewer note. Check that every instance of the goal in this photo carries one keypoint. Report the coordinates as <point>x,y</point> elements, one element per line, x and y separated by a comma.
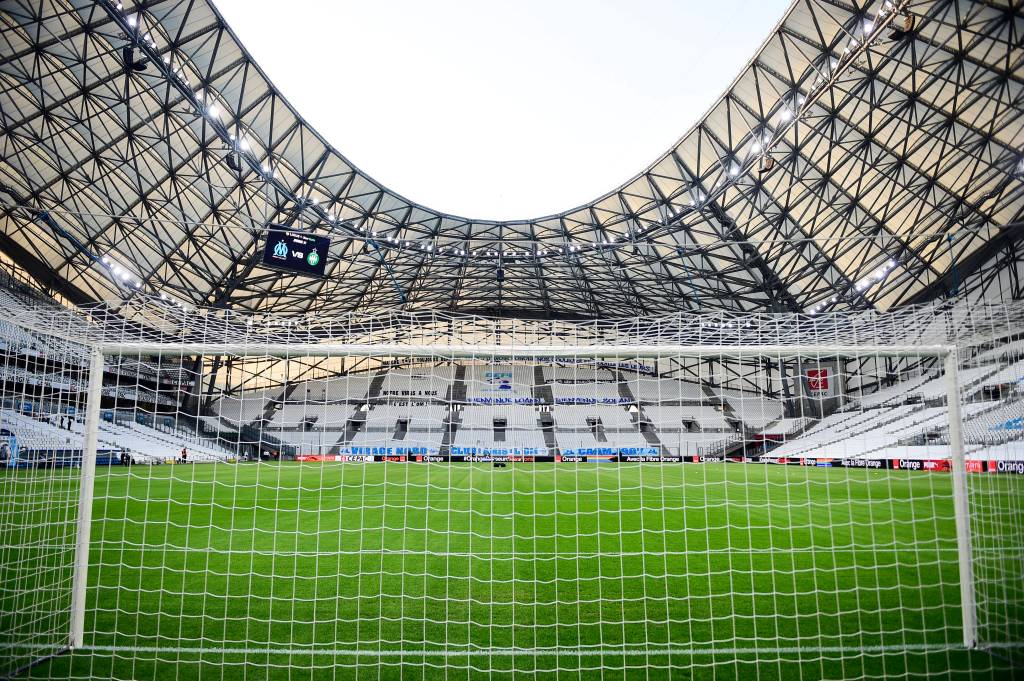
<point>758,495</point>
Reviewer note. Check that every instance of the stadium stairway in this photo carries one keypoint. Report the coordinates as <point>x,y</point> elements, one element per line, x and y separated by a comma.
<point>376,385</point>
<point>728,413</point>
<point>648,433</point>
<point>271,408</point>
<point>457,394</point>
<point>450,425</point>
<point>354,424</point>
<point>541,389</point>
<point>653,440</point>
<point>547,429</point>
<point>624,391</point>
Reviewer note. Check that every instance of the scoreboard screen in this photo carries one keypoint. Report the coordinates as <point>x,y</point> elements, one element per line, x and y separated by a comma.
<point>296,252</point>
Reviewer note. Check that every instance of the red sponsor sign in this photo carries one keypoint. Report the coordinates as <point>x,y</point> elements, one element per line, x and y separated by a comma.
<point>817,380</point>
<point>975,466</point>
<point>936,464</point>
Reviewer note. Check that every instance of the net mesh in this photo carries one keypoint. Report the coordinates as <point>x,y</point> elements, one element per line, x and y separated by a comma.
<point>443,496</point>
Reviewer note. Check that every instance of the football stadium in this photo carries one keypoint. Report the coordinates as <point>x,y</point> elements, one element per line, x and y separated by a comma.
<point>757,413</point>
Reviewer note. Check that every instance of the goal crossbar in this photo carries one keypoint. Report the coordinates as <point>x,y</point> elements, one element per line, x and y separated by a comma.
<point>518,351</point>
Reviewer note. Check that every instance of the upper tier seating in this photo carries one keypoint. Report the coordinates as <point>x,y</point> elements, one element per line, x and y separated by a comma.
<point>519,417</point>
<point>245,407</point>
<point>754,411</point>
<point>473,437</point>
<point>578,417</point>
<point>586,392</point>
<point>420,417</point>
<point>423,383</point>
<point>333,389</point>
<point>676,417</point>
<point>656,390</point>
<point>573,374</point>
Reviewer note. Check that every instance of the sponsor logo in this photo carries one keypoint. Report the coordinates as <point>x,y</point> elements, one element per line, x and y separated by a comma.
<point>817,379</point>
<point>499,380</point>
<point>907,464</point>
<point>862,463</point>
<point>935,465</point>
<point>1010,467</point>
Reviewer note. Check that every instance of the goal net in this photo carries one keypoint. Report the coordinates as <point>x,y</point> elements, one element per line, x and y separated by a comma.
<point>720,496</point>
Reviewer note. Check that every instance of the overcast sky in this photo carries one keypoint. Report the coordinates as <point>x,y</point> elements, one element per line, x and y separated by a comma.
<point>502,110</point>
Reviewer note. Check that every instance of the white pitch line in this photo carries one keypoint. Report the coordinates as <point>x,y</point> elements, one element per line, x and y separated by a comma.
<point>596,651</point>
<point>760,550</point>
<point>528,652</point>
<point>113,547</point>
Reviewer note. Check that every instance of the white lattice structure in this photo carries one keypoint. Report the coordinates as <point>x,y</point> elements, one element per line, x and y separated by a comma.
<point>316,431</point>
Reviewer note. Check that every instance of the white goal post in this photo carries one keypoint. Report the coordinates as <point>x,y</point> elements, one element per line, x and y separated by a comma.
<point>947,354</point>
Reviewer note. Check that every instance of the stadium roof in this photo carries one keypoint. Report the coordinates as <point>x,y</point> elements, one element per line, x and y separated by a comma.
<point>863,152</point>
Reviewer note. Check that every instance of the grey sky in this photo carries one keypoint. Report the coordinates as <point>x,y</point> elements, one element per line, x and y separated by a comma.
<point>502,110</point>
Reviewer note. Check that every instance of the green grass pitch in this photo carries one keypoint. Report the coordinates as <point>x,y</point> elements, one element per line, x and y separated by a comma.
<point>541,571</point>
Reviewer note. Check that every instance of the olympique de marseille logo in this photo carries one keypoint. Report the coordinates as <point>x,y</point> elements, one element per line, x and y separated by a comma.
<point>281,249</point>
